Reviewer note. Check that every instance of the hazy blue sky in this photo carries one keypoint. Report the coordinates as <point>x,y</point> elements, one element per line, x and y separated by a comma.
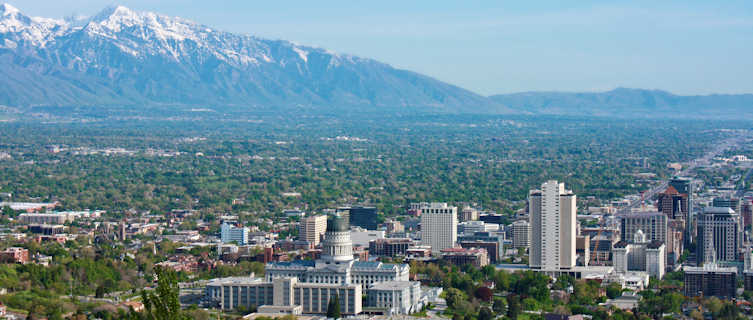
<point>687,47</point>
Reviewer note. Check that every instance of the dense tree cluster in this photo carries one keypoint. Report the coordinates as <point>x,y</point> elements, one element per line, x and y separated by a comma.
<point>525,294</point>
<point>492,161</point>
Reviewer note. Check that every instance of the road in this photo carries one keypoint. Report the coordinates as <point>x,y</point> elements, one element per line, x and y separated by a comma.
<point>741,191</point>
<point>687,169</point>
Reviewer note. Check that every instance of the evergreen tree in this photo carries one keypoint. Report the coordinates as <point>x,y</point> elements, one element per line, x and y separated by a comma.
<point>333,309</point>
<point>163,303</point>
<point>514,308</point>
<point>485,314</point>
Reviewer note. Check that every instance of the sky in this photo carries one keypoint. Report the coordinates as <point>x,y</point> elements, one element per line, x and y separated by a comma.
<point>494,47</point>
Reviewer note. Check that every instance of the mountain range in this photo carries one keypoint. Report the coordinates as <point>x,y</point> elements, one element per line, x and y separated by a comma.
<point>630,103</point>
<point>120,57</point>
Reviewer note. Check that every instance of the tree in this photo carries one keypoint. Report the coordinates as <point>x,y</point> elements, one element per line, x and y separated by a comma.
<point>535,285</point>
<point>728,311</point>
<point>562,310</point>
<point>499,305</point>
<point>502,280</point>
<point>514,308</point>
<point>713,304</point>
<point>163,303</point>
<point>99,292</point>
<point>586,292</point>
<point>614,290</point>
<point>333,309</point>
<point>696,315</point>
<point>530,304</point>
<point>484,293</point>
<point>563,282</point>
<point>485,314</point>
<point>454,297</point>
<point>672,302</point>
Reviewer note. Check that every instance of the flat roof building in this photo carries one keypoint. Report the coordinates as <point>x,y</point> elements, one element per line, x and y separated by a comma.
<point>439,226</point>
<point>553,227</point>
<point>710,280</point>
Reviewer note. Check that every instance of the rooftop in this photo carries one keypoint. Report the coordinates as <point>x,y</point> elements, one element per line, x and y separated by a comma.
<point>711,267</point>
<point>621,244</point>
<point>233,280</point>
<point>641,214</point>
<point>718,210</point>
<point>656,244</point>
<point>392,285</point>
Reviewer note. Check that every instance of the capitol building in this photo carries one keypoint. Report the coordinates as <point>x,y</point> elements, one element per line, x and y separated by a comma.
<point>337,265</point>
<point>305,286</point>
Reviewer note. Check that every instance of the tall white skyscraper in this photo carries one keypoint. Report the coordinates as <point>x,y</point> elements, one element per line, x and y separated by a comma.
<point>439,226</point>
<point>553,222</point>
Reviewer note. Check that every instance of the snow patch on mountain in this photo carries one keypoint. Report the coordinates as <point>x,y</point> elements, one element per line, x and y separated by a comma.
<point>124,56</point>
<point>302,53</point>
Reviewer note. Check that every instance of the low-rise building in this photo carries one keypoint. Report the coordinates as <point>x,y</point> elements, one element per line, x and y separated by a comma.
<point>710,280</point>
<point>634,280</point>
<point>47,229</point>
<point>492,248</point>
<point>285,292</point>
<point>230,233</point>
<point>418,251</point>
<point>395,297</point>
<point>45,218</point>
<point>15,255</point>
<point>389,247</point>
<point>362,237</point>
<point>462,256</point>
<point>394,226</point>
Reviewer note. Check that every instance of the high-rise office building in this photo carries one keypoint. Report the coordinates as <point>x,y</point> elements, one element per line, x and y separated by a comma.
<point>746,211</point>
<point>675,240</point>
<point>673,204</point>
<point>710,280</point>
<point>652,224</point>
<point>686,186</point>
<point>521,234</point>
<point>364,217</point>
<point>439,226</point>
<point>312,229</point>
<point>553,224</point>
<point>731,202</point>
<point>719,235</point>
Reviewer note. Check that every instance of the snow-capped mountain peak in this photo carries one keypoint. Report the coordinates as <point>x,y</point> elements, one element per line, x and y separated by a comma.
<point>7,9</point>
<point>122,56</point>
<point>17,29</point>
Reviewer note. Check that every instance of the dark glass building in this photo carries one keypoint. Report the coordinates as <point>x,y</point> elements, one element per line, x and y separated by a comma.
<point>364,217</point>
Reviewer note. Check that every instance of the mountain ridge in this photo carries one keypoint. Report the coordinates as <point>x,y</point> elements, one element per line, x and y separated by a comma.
<point>121,56</point>
<point>629,102</point>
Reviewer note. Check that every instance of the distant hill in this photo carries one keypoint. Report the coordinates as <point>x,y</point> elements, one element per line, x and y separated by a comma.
<point>629,103</point>
<point>123,57</point>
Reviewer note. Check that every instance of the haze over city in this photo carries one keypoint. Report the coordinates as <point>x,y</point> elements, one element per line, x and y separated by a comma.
<point>417,160</point>
<point>496,47</point>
